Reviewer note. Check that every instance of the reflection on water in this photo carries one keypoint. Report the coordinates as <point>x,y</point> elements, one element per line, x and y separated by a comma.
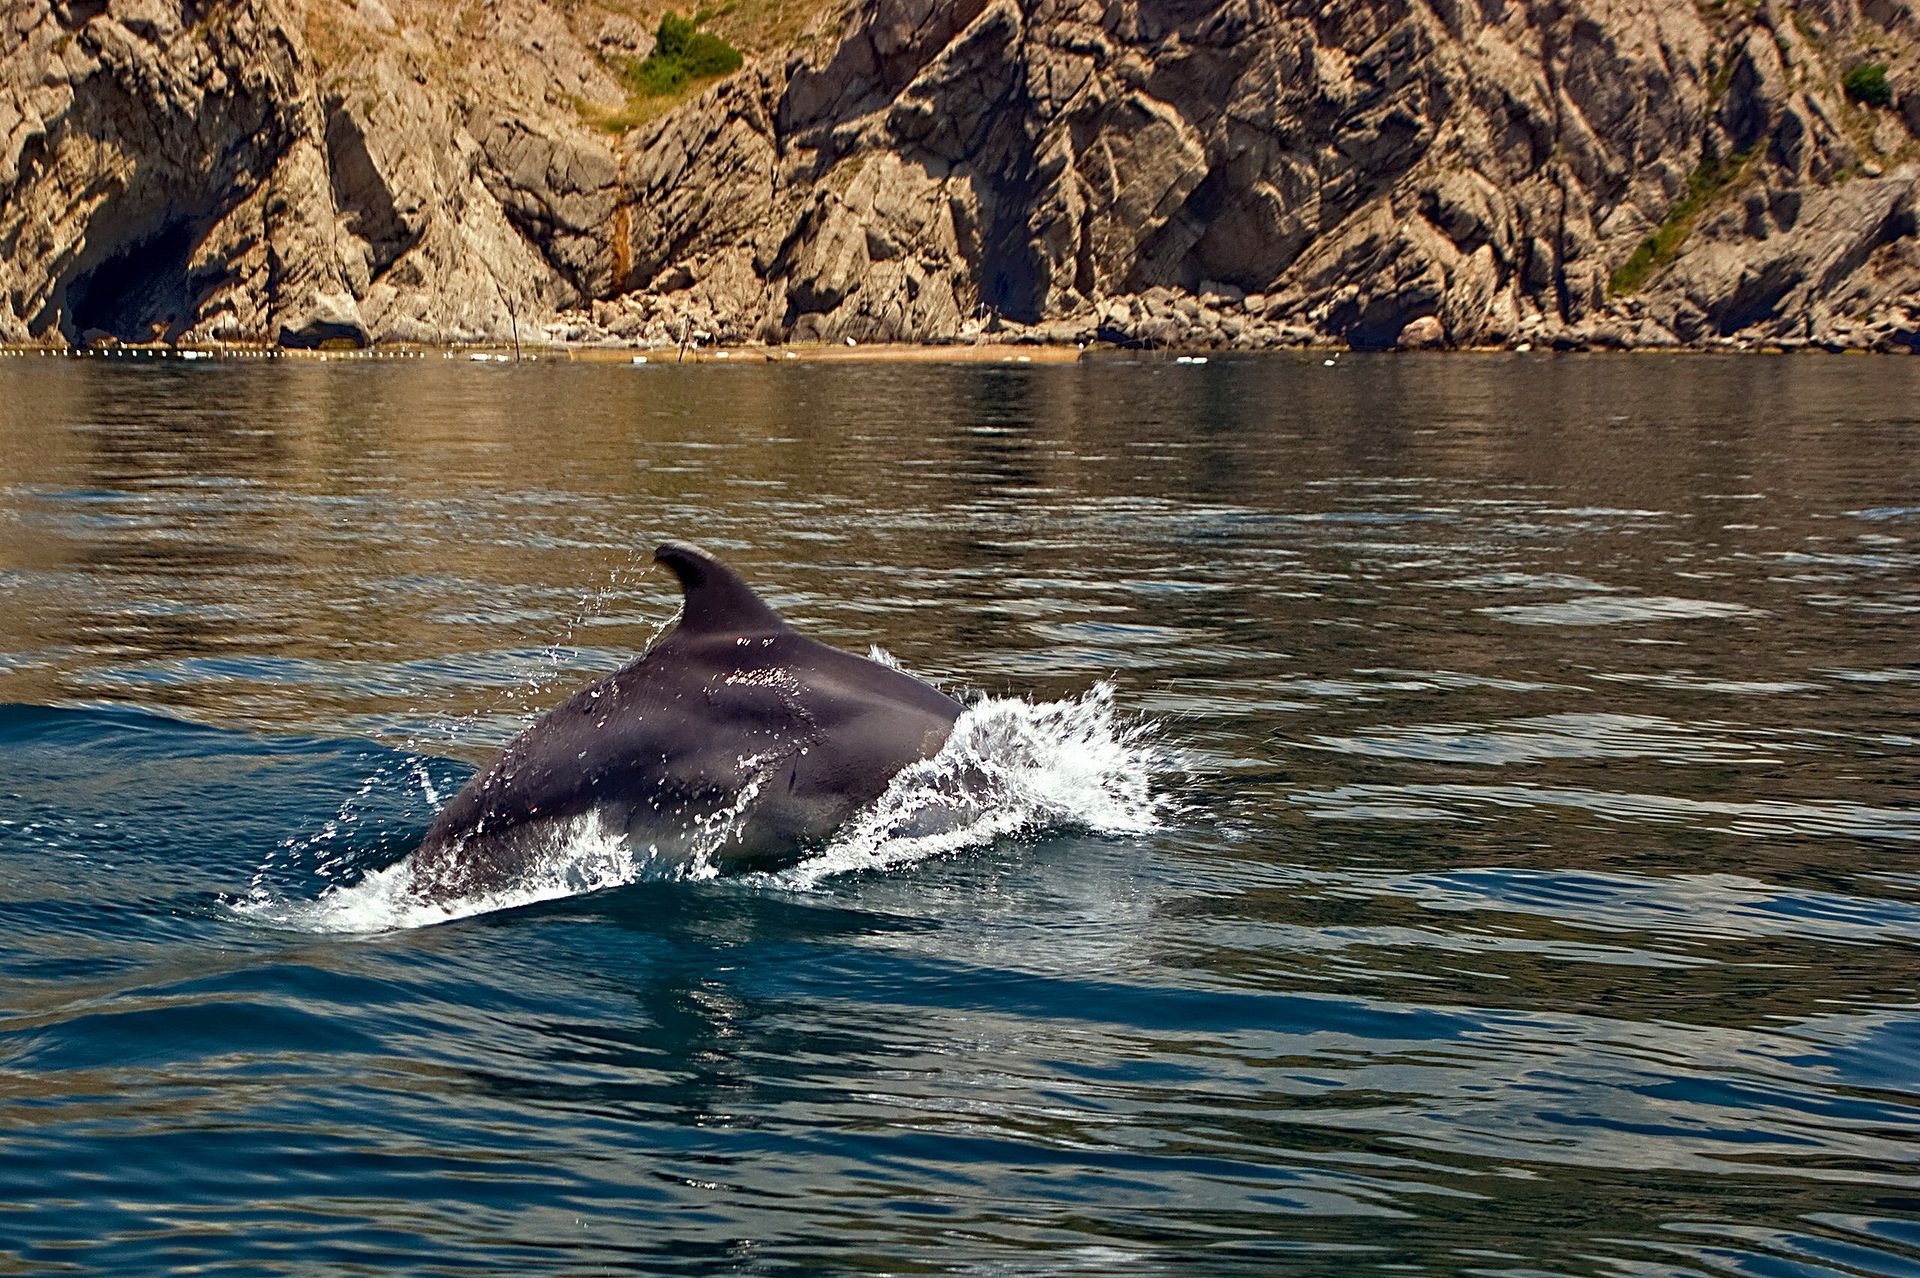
<point>1542,896</point>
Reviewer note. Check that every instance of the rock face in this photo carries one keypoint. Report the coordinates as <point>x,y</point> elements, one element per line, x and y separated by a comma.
<point>204,170</point>
<point>1239,173</point>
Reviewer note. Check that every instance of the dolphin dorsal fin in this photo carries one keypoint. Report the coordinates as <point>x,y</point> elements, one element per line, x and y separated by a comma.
<point>717,601</point>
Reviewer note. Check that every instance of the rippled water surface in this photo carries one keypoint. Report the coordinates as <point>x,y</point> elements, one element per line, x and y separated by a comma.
<point>1533,883</point>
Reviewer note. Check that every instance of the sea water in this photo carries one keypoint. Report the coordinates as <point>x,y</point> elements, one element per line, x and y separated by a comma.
<point>1438,815</point>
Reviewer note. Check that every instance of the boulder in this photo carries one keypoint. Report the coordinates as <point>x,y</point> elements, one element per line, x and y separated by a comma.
<point>325,318</point>
<point>1424,333</point>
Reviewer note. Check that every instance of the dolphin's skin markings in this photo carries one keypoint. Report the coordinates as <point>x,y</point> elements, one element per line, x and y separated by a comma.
<point>663,750</point>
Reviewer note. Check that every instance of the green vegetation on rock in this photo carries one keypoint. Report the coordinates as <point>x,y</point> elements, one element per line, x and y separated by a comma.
<point>682,55</point>
<point>1867,85</point>
<point>1710,179</point>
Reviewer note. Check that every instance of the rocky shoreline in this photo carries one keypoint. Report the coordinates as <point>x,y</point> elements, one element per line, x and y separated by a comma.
<point>1251,174</point>
<point>1015,344</point>
<point>1169,320</point>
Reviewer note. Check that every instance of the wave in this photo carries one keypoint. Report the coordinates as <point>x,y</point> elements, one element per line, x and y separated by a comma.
<point>1011,768</point>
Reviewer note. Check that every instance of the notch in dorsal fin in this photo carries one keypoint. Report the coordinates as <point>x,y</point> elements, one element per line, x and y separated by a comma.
<point>717,600</point>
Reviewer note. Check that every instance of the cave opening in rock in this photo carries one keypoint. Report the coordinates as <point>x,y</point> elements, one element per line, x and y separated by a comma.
<point>141,293</point>
<point>1010,280</point>
<point>1012,283</point>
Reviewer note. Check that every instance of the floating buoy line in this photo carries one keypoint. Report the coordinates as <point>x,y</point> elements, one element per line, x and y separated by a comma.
<point>195,354</point>
<point>483,355</point>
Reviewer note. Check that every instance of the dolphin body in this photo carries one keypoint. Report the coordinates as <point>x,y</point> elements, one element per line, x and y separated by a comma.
<point>732,737</point>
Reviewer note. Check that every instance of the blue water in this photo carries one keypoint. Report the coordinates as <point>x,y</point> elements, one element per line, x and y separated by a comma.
<point>1530,882</point>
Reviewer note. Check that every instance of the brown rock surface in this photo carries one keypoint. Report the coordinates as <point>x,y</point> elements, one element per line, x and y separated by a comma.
<point>1238,174</point>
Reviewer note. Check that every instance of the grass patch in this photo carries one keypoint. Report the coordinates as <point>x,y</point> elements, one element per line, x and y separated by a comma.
<point>1867,85</point>
<point>682,55</point>
<point>1660,248</point>
<point>759,26</point>
<point>619,120</point>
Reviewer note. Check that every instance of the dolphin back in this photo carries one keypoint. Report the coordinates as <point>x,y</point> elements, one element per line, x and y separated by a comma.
<point>732,738</point>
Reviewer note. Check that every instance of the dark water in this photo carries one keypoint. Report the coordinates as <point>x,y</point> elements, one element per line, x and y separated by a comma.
<point>1536,888</point>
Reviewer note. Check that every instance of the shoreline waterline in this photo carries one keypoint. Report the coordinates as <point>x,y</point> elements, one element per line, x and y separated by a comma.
<point>829,353</point>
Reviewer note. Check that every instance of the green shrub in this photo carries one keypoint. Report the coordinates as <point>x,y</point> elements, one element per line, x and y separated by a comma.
<point>671,36</point>
<point>682,53</point>
<point>709,55</point>
<point>1867,84</point>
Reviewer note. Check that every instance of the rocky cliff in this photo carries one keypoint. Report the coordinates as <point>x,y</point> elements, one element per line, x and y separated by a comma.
<point>1254,172</point>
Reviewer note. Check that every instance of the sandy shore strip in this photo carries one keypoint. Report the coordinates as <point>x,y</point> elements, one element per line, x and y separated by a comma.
<point>827,352</point>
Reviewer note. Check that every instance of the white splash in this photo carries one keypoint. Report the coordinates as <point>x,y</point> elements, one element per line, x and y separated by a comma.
<point>1010,768</point>
<point>577,856</point>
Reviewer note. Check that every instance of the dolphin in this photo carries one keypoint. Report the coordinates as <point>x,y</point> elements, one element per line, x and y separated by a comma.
<point>732,738</point>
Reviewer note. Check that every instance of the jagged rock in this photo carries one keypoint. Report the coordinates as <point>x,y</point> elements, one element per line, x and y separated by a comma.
<point>186,176</point>
<point>617,36</point>
<point>1235,174</point>
<point>1849,249</point>
<point>559,193</point>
